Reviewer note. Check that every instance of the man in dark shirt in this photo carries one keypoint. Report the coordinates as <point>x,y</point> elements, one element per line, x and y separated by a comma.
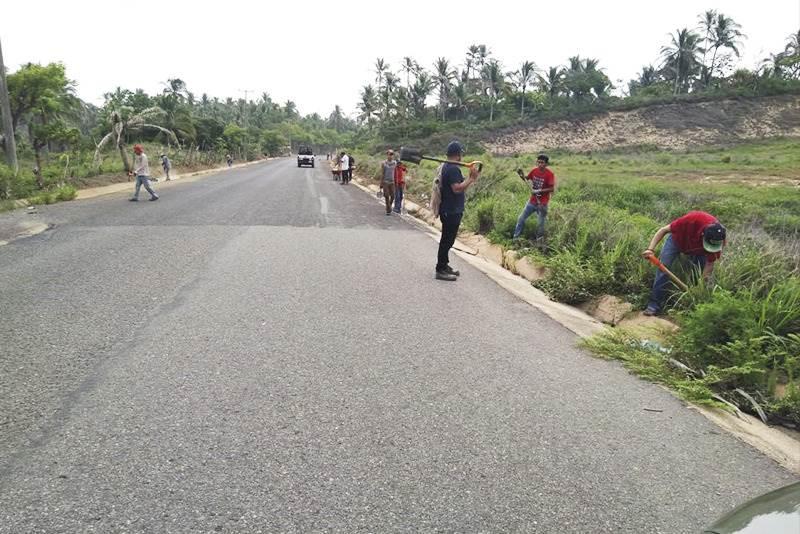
<point>697,234</point>
<point>451,208</point>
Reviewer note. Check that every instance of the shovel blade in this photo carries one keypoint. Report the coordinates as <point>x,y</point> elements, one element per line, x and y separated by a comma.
<point>411,155</point>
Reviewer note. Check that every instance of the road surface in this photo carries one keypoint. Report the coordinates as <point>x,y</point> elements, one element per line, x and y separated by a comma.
<point>263,350</point>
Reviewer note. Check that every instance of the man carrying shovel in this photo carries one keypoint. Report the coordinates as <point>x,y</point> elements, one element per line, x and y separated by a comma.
<point>697,234</point>
<point>543,183</point>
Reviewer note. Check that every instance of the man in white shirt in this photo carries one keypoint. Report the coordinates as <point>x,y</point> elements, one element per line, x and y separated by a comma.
<point>141,169</point>
<point>345,166</point>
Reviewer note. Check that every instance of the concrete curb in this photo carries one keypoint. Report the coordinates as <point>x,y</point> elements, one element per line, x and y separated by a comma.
<point>771,442</point>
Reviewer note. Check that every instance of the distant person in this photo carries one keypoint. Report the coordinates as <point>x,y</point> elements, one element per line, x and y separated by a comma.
<point>542,183</point>
<point>337,167</point>
<point>229,160</point>
<point>141,169</point>
<point>166,165</point>
<point>697,234</point>
<point>451,209</point>
<point>399,186</point>
<point>387,180</point>
<point>344,166</point>
<point>351,162</point>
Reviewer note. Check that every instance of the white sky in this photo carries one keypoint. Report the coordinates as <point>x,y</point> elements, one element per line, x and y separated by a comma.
<point>321,53</point>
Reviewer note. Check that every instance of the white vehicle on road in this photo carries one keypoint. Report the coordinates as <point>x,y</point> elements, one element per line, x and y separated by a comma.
<point>305,156</point>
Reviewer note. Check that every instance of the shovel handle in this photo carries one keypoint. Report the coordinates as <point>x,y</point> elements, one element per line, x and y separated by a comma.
<point>663,268</point>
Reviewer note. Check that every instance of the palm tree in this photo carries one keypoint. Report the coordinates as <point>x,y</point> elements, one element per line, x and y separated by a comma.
<point>680,56</point>
<point>443,78</point>
<point>390,85</point>
<point>381,67</point>
<point>552,82</point>
<point>493,79</point>
<point>122,122</point>
<point>472,56</point>
<point>420,91</point>
<point>368,105</point>
<point>409,67</point>
<point>724,34</point>
<point>706,26</point>
<point>461,97</point>
<point>523,78</point>
<point>336,118</point>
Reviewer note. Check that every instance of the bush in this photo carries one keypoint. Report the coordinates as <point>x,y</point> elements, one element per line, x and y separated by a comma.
<point>66,192</point>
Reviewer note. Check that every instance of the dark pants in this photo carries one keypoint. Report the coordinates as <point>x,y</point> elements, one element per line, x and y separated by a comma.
<point>450,224</point>
<point>347,175</point>
<point>398,198</point>
<point>388,196</point>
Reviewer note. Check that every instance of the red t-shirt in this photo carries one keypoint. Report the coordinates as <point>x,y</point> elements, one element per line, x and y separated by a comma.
<point>541,179</point>
<point>400,175</point>
<point>687,233</point>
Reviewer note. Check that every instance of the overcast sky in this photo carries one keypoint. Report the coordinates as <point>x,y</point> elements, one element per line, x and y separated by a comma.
<point>321,53</point>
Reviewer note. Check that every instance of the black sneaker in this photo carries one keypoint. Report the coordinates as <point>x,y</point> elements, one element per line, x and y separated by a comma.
<point>133,199</point>
<point>153,199</point>
<point>450,270</point>
<point>444,275</point>
<point>650,312</point>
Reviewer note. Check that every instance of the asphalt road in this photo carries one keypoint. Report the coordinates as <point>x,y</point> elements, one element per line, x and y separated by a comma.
<point>263,350</point>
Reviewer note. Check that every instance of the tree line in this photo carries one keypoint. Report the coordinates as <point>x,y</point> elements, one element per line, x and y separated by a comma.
<point>695,61</point>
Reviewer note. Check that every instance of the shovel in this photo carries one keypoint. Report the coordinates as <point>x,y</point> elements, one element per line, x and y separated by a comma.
<point>414,155</point>
<point>663,268</point>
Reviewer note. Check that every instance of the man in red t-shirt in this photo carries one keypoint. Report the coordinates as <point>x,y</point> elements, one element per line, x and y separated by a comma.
<point>697,234</point>
<point>399,185</point>
<point>543,183</point>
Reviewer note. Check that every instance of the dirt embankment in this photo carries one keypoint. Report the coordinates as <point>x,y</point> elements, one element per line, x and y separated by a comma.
<point>678,126</point>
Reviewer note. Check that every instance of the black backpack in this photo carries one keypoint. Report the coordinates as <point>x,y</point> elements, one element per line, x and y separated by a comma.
<point>352,161</point>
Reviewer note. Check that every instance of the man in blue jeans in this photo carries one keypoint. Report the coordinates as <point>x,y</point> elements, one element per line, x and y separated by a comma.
<point>697,234</point>
<point>451,208</point>
<point>542,183</point>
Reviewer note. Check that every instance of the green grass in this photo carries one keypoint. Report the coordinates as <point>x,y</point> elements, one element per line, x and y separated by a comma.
<point>737,333</point>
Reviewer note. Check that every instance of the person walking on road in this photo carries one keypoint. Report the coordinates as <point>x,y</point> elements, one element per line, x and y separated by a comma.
<point>542,183</point>
<point>388,168</point>
<point>351,163</point>
<point>166,165</point>
<point>453,188</point>
<point>399,185</point>
<point>344,166</point>
<point>141,169</point>
<point>698,235</point>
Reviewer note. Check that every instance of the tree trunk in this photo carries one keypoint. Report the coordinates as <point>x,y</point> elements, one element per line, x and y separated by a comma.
<point>8,124</point>
<point>710,72</point>
<point>677,74</point>
<point>522,111</point>
<point>491,110</point>
<point>124,155</point>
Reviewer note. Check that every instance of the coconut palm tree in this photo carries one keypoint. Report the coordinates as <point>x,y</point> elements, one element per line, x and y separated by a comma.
<point>681,57</point>
<point>420,91</point>
<point>725,33</point>
<point>706,26</point>
<point>493,81</point>
<point>368,105</point>
<point>443,78</point>
<point>381,68</point>
<point>522,79</point>
<point>390,85</point>
<point>552,82</point>
<point>122,122</point>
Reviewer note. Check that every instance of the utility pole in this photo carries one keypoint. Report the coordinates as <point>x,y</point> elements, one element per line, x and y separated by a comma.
<point>244,108</point>
<point>8,126</point>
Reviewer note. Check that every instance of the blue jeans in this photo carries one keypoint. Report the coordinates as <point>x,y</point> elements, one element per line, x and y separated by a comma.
<point>668,255</point>
<point>540,210</point>
<point>398,198</point>
<point>144,181</point>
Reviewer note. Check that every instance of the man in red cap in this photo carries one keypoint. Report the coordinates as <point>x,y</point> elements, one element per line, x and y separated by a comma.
<point>141,169</point>
<point>697,234</point>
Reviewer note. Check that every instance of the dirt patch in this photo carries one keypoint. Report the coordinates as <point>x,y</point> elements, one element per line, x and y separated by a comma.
<point>678,126</point>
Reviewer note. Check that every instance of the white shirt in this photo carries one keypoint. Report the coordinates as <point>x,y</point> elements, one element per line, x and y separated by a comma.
<point>140,165</point>
<point>345,163</point>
